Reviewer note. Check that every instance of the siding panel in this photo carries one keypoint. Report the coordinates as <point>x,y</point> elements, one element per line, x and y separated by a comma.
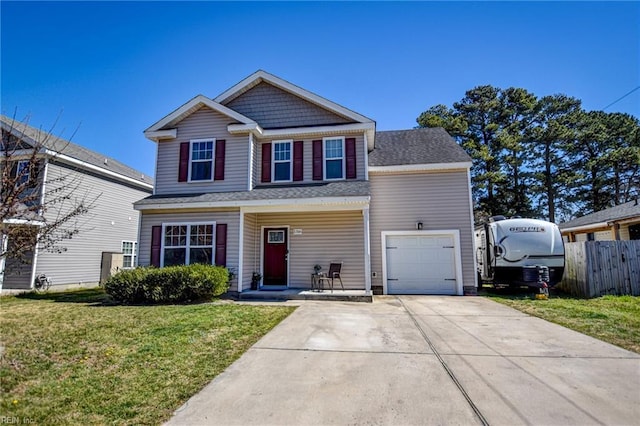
<point>308,158</point>
<point>204,123</point>
<point>438,200</point>
<point>251,249</point>
<point>230,217</point>
<point>326,237</point>
<point>272,107</point>
<point>107,224</point>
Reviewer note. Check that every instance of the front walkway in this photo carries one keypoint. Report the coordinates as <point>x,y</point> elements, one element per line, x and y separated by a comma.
<point>421,360</point>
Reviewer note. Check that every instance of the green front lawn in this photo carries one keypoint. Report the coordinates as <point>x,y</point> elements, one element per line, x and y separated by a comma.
<point>71,358</point>
<point>614,319</point>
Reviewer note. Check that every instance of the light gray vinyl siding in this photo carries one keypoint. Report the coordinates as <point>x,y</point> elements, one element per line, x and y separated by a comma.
<point>257,156</point>
<point>228,216</point>
<point>110,220</point>
<point>251,249</point>
<point>204,123</point>
<point>272,107</point>
<point>308,158</point>
<point>326,237</point>
<point>17,273</point>
<point>440,200</point>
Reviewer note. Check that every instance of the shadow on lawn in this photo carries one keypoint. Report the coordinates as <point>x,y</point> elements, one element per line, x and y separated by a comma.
<point>507,292</point>
<point>93,296</point>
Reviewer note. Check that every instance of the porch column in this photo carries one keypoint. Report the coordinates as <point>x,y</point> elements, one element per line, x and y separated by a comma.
<point>240,274</point>
<point>367,252</point>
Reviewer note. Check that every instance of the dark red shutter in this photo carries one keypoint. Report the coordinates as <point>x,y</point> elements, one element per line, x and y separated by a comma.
<point>266,162</point>
<point>218,173</point>
<point>298,160</point>
<point>221,244</point>
<point>350,148</point>
<point>183,166</point>
<point>156,244</point>
<point>317,160</point>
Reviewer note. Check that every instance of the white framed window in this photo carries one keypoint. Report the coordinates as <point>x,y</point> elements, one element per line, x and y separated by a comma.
<point>201,160</point>
<point>334,162</point>
<point>22,172</point>
<point>282,167</point>
<point>275,237</point>
<point>129,254</point>
<point>187,243</point>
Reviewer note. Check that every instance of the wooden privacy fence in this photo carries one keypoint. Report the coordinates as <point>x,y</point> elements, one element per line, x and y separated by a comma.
<point>596,268</point>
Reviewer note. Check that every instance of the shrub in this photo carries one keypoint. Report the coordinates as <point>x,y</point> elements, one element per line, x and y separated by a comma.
<point>172,284</point>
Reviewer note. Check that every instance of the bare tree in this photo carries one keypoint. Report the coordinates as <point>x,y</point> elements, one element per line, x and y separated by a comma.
<point>36,210</point>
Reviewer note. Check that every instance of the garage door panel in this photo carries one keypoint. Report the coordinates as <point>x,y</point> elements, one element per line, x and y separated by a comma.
<point>419,264</point>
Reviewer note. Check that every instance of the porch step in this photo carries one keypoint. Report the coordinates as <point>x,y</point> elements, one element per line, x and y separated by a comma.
<point>306,294</point>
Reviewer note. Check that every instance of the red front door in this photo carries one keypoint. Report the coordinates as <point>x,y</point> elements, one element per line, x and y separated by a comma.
<point>275,257</point>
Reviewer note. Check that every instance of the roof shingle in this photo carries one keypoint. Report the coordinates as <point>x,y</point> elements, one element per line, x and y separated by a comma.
<point>70,149</point>
<point>416,146</point>
<point>619,212</point>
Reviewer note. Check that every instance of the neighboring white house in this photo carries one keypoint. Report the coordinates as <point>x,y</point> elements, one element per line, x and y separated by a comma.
<point>270,178</point>
<point>111,225</point>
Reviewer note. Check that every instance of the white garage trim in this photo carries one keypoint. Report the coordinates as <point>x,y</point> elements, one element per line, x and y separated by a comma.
<point>448,232</point>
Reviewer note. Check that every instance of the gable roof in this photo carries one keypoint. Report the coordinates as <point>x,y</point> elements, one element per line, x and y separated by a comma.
<point>416,146</point>
<point>627,210</point>
<point>77,154</point>
<point>260,76</point>
<point>156,131</point>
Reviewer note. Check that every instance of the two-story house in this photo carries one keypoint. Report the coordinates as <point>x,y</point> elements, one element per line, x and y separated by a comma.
<point>66,175</point>
<point>270,178</point>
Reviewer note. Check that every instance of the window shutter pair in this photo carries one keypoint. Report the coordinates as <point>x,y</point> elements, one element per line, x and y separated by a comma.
<point>298,161</point>
<point>221,244</point>
<point>350,158</point>
<point>218,167</point>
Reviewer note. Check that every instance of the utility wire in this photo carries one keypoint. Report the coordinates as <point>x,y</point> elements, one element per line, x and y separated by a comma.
<point>621,98</point>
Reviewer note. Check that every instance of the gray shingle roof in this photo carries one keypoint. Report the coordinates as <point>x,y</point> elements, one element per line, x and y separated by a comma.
<point>70,149</point>
<point>416,146</point>
<point>619,212</point>
<point>289,192</point>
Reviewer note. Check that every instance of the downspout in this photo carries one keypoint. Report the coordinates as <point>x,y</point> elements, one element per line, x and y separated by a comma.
<point>240,275</point>
<point>3,248</point>
<point>367,252</point>
<point>40,213</point>
<point>366,157</point>
<point>473,240</point>
<point>250,182</point>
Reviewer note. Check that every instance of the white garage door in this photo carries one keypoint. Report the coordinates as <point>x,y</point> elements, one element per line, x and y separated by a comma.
<point>421,264</point>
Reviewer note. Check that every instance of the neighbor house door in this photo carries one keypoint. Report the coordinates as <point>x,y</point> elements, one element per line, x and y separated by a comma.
<point>275,257</point>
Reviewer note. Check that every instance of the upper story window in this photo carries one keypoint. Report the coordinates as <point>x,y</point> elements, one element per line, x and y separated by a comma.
<point>201,160</point>
<point>334,163</point>
<point>282,164</point>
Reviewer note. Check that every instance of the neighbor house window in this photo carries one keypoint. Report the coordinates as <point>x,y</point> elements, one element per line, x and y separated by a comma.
<point>333,158</point>
<point>185,244</point>
<point>129,254</point>
<point>201,160</point>
<point>22,172</point>
<point>282,161</point>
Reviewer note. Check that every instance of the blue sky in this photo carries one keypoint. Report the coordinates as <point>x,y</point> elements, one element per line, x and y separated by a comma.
<point>115,68</point>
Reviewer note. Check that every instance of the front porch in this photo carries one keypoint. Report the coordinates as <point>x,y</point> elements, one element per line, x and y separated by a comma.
<point>305,294</point>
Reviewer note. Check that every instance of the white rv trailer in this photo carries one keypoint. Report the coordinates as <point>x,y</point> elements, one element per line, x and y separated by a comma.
<point>519,252</point>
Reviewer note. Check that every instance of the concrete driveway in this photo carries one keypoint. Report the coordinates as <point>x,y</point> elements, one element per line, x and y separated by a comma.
<point>421,360</point>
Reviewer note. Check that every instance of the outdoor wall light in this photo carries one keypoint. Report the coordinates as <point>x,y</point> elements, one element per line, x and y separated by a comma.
<point>419,226</point>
